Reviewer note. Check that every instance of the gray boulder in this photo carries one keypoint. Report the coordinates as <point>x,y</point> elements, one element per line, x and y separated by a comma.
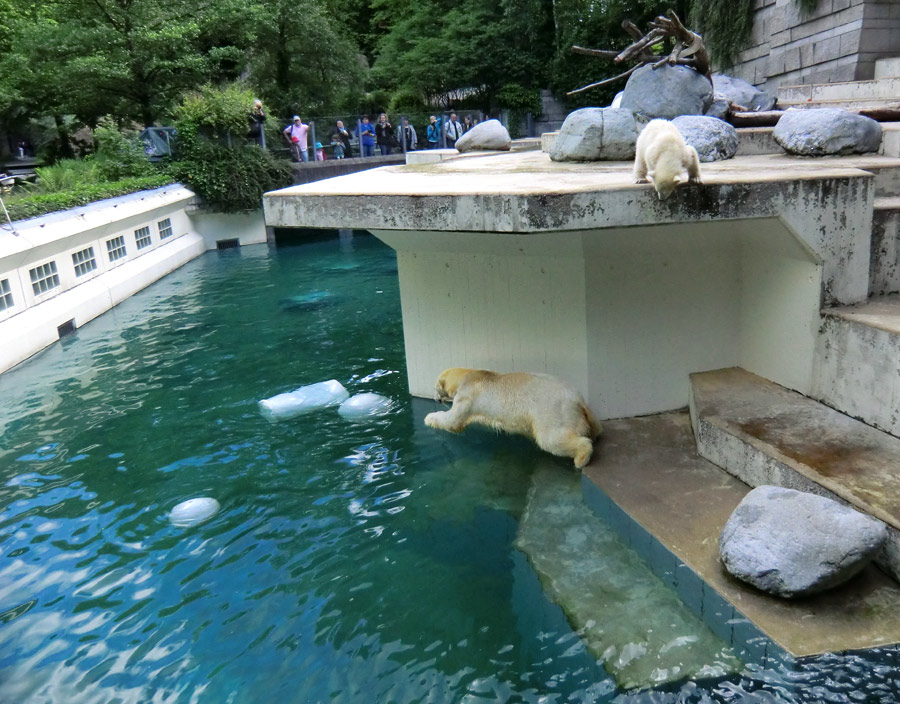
<point>713,138</point>
<point>667,92</point>
<point>790,543</point>
<point>739,92</point>
<point>719,106</point>
<point>489,135</point>
<point>824,131</point>
<point>596,134</point>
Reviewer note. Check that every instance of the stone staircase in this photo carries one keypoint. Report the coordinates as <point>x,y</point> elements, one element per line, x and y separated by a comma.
<point>882,92</point>
<point>843,439</point>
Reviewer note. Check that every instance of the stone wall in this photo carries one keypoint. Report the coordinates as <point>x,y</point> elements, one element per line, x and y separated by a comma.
<point>839,41</point>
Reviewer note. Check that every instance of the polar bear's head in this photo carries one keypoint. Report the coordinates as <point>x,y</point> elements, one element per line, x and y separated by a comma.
<point>448,383</point>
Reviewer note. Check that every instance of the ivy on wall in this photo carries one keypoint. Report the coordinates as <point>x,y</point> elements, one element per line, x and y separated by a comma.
<point>726,26</point>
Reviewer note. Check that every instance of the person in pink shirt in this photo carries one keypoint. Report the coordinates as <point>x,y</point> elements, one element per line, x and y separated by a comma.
<point>295,134</point>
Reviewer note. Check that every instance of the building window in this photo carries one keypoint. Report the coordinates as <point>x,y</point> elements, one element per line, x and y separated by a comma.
<point>165,228</point>
<point>84,261</point>
<point>6,300</point>
<point>142,237</point>
<point>44,278</point>
<point>116,248</point>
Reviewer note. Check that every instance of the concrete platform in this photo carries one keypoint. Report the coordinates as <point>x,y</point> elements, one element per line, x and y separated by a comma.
<point>765,434</point>
<point>514,262</point>
<point>648,478</point>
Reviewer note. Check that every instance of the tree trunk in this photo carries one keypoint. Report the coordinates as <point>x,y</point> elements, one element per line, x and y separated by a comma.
<point>64,145</point>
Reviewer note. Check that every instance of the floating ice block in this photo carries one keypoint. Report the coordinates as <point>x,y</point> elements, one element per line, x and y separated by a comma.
<point>364,406</point>
<point>302,400</point>
<point>193,511</point>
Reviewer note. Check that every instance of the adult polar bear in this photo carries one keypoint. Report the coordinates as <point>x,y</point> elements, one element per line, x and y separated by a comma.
<point>539,406</point>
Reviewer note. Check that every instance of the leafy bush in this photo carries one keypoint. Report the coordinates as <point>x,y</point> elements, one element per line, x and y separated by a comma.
<point>21,207</point>
<point>119,155</point>
<point>215,112</point>
<point>64,175</point>
<point>227,179</point>
<point>519,101</point>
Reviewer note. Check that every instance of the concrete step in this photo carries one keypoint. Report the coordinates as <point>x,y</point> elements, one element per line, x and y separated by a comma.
<point>886,89</point>
<point>763,433</point>
<point>887,68</point>
<point>670,506</point>
<point>857,369</point>
<point>890,106</point>
<point>600,583</point>
<point>884,269</point>
<point>756,140</point>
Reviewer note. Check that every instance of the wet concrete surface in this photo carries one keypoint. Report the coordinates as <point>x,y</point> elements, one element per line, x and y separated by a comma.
<point>649,467</point>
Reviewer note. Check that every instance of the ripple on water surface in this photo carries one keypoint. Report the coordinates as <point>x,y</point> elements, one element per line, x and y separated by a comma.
<point>349,562</point>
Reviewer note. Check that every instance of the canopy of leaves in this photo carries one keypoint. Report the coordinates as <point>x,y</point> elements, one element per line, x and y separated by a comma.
<point>446,51</point>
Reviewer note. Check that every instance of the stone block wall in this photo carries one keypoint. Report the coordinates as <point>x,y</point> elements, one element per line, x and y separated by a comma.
<point>839,41</point>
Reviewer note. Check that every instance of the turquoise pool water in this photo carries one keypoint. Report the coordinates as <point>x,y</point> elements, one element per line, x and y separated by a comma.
<point>367,562</point>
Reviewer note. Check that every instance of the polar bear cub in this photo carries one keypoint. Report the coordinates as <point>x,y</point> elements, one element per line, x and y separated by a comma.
<point>664,159</point>
<point>539,406</point>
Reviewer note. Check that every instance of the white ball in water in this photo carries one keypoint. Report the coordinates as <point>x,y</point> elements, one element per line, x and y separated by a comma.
<point>193,511</point>
<point>363,406</point>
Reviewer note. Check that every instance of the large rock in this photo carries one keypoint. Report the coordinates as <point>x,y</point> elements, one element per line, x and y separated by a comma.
<point>667,92</point>
<point>824,131</point>
<point>719,107</point>
<point>791,543</point>
<point>489,135</point>
<point>713,139</point>
<point>739,92</point>
<point>596,134</point>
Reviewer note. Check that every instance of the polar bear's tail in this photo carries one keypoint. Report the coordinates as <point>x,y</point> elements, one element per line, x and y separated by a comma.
<point>594,428</point>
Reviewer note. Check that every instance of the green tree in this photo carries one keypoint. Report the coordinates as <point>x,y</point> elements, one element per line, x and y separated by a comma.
<point>445,51</point>
<point>131,58</point>
<point>304,59</point>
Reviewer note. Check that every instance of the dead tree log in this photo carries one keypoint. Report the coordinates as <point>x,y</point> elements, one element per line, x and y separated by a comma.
<point>689,49</point>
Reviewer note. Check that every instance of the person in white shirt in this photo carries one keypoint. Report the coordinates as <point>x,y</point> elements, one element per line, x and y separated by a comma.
<point>295,134</point>
<point>454,130</point>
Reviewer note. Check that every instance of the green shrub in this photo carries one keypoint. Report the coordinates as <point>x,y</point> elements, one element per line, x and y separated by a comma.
<point>216,112</point>
<point>25,206</point>
<point>227,178</point>
<point>64,175</point>
<point>119,155</point>
<point>519,101</point>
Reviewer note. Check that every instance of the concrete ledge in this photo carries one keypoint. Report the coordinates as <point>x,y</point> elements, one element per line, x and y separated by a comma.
<point>312,171</point>
<point>527,193</point>
<point>765,434</point>
<point>430,156</point>
<point>670,505</point>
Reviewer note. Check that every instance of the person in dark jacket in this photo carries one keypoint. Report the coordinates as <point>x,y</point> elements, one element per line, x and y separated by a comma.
<point>408,135</point>
<point>342,134</point>
<point>257,119</point>
<point>384,134</point>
